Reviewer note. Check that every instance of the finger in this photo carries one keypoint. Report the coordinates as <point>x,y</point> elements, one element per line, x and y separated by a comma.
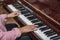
<point>19,12</point>
<point>35,26</point>
<point>31,30</point>
<point>35,29</point>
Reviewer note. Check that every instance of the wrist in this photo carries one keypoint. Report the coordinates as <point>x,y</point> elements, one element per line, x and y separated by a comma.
<point>8,15</point>
<point>21,30</point>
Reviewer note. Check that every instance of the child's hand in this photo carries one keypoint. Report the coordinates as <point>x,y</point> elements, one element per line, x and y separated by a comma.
<point>13,14</point>
<point>28,28</point>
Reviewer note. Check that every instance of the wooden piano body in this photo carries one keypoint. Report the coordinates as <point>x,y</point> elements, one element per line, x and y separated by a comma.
<point>48,11</point>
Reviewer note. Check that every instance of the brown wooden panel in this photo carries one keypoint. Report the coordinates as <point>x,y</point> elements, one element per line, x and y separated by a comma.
<point>9,1</point>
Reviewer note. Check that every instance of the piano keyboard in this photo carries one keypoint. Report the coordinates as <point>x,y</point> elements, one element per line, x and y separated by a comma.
<point>43,31</point>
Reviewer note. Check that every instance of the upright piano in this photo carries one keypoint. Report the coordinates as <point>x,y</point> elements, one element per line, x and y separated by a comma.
<point>44,13</point>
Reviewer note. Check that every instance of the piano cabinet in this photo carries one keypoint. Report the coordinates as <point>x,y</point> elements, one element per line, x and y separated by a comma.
<point>9,1</point>
<point>48,11</point>
<point>44,11</point>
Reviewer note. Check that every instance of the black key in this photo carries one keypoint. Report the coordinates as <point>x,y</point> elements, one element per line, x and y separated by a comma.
<point>55,38</point>
<point>40,24</point>
<point>49,33</point>
<point>27,15</point>
<point>44,28</point>
<point>34,21</point>
<point>23,12</point>
<point>31,18</point>
<point>22,8</point>
<point>17,5</point>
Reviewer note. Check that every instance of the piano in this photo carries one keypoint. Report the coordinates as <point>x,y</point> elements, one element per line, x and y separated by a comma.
<point>39,12</point>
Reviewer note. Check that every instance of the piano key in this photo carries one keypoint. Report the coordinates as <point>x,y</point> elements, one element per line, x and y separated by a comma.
<point>40,24</point>
<point>55,38</point>
<point>45,28</point>
<point>31,18</point>
<point>22,8</point>
<point>11,8</point>
<point>41,35</point>
<point>34,21</point>
<point>23,12</point>
<point>26,21</point>
<point>49,33</point>
<point>17,6</point>
<point>28,15</point>
<point>37,22</point>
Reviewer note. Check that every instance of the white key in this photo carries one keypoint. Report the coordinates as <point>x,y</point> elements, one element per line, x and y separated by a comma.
<point>25,20</point>
<point>11,8</point>
<point>53,35</point>
<point>30,16</point>
<point>41,35</point>
<point>33,19</point>
<point>42,26</point>
<point>37,22</point>
<point>47,30</point>
<point>26,13</point>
